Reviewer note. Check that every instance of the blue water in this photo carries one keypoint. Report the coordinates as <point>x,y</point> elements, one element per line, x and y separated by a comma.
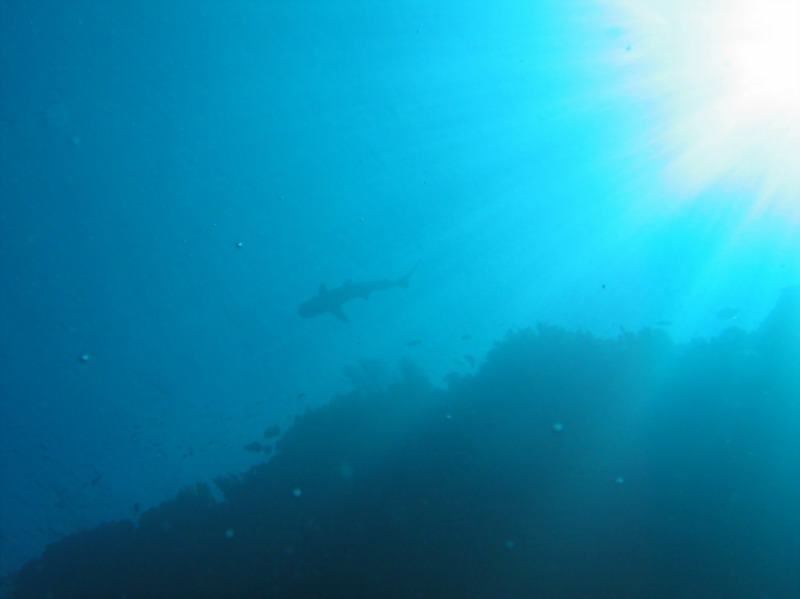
<point>176,178</point>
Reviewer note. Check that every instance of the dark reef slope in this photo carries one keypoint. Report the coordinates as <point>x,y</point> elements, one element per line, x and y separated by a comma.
<point>567,467</point>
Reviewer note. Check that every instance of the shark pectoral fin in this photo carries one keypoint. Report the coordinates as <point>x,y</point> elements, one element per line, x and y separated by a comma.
<point>339,314</point>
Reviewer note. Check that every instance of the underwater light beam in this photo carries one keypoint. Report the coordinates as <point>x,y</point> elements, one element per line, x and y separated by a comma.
<point>725,78</point>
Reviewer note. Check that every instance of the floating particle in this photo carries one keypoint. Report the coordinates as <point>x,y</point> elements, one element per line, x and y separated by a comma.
<point>346,470</point>
<point>619,480</point>
<point>239,244</point>
<point>558,427</point>
<point>229,533</point>
<point>510,544</point>
<point>728,313</point>
<point>84,358</point>
<point>57,116</point>
<point>297,492</point>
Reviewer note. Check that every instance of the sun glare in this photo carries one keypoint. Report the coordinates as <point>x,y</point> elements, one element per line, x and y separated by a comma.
<point>724,76</point>
<point>763,52</point>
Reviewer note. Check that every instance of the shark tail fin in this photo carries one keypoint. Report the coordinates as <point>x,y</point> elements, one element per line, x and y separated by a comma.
<point>404,280</point>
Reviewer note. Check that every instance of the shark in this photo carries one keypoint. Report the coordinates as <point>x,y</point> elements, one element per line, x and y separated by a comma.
<point>331,300</point>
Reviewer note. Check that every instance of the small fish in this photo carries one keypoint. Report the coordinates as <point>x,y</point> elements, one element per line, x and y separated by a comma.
<point>255,447</point>
<point>272,432</point>
<point>94,481</point>
<point>452,377</point>
<point>161,388</point>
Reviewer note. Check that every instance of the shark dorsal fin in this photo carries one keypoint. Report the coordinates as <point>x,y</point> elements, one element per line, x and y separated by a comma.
<point>322,288</point>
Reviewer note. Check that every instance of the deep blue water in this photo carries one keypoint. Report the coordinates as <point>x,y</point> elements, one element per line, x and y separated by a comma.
<point>177,178</point>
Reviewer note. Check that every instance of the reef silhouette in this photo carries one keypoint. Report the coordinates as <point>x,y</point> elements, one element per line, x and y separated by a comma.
<point>564,466</point>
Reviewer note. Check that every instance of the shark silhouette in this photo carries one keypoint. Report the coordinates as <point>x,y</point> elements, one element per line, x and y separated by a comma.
<point>331,300</point>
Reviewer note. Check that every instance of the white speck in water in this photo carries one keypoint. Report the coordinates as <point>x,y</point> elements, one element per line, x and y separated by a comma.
<point>229,533</point>
<point>558,427</point>
<point>346,470</point>
<point>297,492</point>
<point>619,480</point>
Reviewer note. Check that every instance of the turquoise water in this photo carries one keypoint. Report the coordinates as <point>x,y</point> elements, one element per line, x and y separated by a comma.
<point>177,178</point>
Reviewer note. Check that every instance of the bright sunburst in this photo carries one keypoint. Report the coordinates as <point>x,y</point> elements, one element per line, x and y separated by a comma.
<point>725,75</point>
